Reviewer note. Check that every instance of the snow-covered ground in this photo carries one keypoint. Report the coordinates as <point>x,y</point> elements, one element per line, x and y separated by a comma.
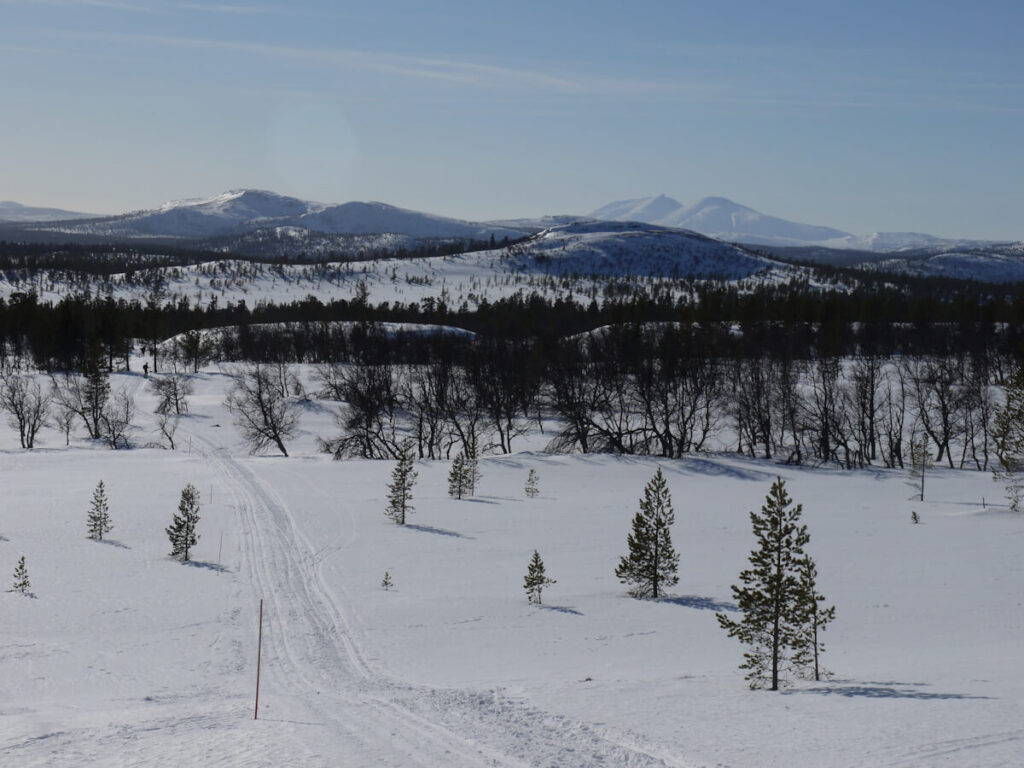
<point>126,657</point>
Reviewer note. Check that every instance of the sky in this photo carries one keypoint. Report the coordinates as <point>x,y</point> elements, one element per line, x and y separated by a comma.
<point>865,116</point>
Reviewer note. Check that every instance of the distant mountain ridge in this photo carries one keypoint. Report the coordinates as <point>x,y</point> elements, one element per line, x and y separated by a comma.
<point>724,219</point>
<point>11,211</point>
<point>241,211</point>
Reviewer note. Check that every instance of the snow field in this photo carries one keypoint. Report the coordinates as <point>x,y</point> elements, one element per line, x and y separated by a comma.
<point>129,658</point>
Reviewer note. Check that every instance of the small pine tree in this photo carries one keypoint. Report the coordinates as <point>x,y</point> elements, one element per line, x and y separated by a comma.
<point>387,583</point>
<point>472,467</point>
<point>816,618</point>
<point>457,485</point>
<point>531,484</point>
<point>652,562</point>
<point>535,580</point>
<point>914,517</point>
<point>99,514</point>
<point>400,489</point>
<point>920,461</point>
<point>772,595</point>
<point>182,531</point>
<point>21,582</point>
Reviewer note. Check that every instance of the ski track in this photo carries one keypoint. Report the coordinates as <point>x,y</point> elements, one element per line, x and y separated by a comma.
<point>310,653</point>
<point>967,751</point>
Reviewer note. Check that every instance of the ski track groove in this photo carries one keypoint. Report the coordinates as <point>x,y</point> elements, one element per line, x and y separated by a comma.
<point>449,727</point>
<point>929,754</point>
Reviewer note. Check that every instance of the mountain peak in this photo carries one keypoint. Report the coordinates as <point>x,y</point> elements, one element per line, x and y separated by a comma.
<point>718,217</point>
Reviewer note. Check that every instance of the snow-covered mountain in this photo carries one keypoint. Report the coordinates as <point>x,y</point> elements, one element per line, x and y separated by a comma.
<point>242,211</point>
<point>720,218</point>
<point>16,212</point>
<point>357,218</point>
<point>724,219</point>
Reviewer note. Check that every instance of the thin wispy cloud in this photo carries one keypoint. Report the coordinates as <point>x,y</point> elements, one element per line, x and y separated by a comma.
<point>119,5</point>
<point>241,10</point>
<point>451,71</point>
<point>163,7</point>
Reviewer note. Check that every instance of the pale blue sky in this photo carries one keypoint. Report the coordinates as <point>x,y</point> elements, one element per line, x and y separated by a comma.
<point>860,115</point>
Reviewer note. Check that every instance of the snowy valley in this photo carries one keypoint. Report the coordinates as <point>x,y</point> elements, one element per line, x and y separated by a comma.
<point>125,656</point>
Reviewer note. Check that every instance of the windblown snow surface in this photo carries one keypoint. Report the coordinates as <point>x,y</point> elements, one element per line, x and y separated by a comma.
<point>127,657</point>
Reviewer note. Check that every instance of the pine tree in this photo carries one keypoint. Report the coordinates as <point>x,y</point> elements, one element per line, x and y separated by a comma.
<point>182,532</point>
<point>400,489</point>
<point>472,467</point>
<point>457,485</point>
<point>816,617</point>
<point>387,583</point>
<point>21,583</point>
<point>920,461</point>
<point>772,597</point>
<point>99,514</point>
<point>531,484</point>
<point>652,562</point>
<point>535,580</point>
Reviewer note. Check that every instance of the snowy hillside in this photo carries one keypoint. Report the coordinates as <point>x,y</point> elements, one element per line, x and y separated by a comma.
<point>127,657</point>
<point>580,259</point>
<point>995,265</point>
<point>628,248</point>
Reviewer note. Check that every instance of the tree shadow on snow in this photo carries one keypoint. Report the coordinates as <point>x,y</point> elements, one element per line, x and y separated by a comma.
<point>208,566</point>
<point>693,466</point>
<point>438,531</point>
<point>114,543</point>
<point>699,602</point>
<point>886,690</point>
<point>561,609</point>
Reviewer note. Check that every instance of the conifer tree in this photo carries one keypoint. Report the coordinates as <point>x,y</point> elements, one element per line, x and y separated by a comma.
<point>182,531</point>
<point>817,617</point>
<point>772,596</point>
<point>386,582</point>
<point>400,489</point>
<point>457,485</point>
<point>535,580</point>
<point>532,480</point>
<point>21,583</point>
<point>99,514</point>
<point>472,467</point>
<point>651,563</point>
<point>920,461</point>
